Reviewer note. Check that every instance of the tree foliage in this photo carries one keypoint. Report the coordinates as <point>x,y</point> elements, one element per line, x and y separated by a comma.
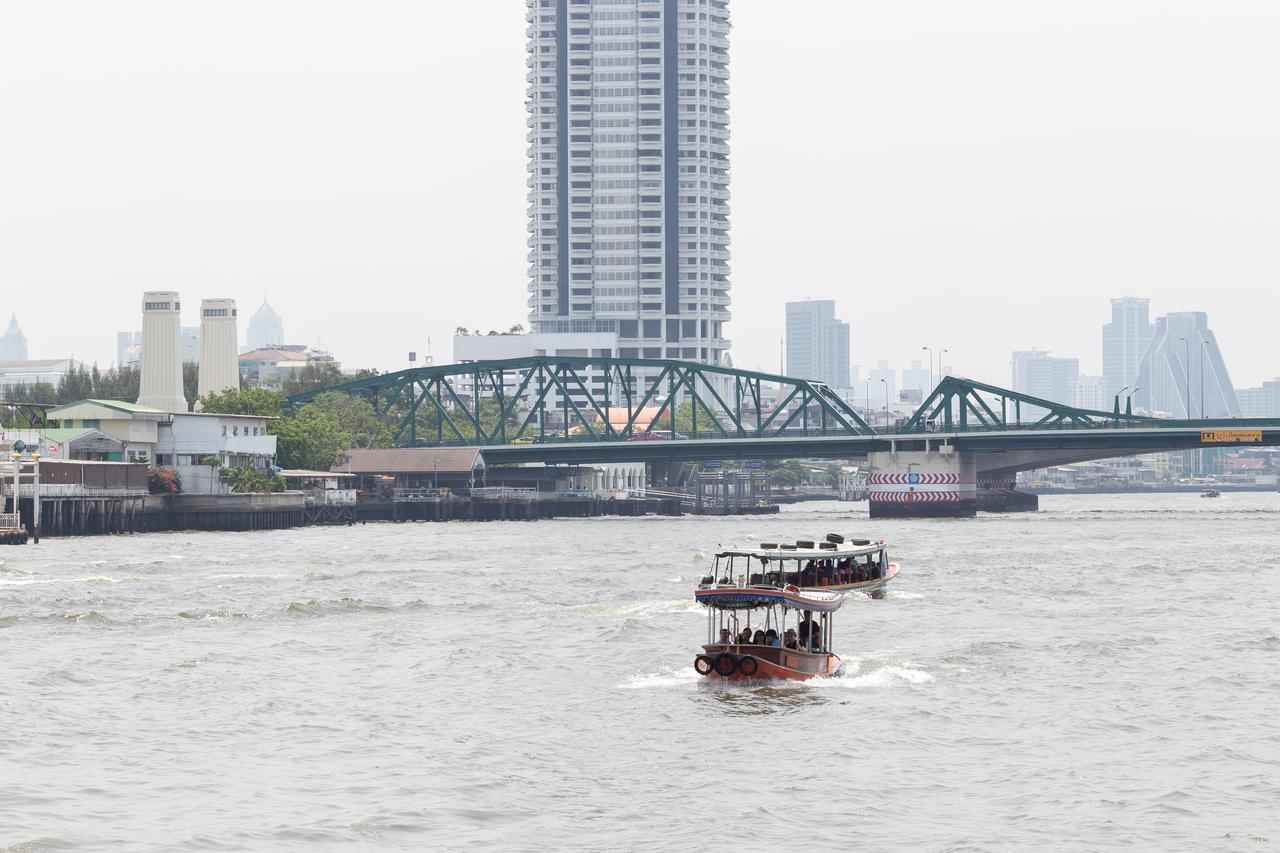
<point>244,401</point>
<point>251,480</point>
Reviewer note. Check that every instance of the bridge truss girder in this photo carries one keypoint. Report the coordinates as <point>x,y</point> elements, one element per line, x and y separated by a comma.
<point>960,405</point>
<point>508,401</point>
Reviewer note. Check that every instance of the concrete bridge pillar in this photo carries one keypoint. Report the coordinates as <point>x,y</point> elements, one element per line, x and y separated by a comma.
<point>936,483</point>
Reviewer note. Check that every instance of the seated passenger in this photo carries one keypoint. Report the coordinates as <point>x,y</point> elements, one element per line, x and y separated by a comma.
<point>744,638</point>
<point>815,639</point>
<point>807,627</point>
<point>757,639</point>
<point>790,641</point>
<point>771,638</point>
<point>726,638</point>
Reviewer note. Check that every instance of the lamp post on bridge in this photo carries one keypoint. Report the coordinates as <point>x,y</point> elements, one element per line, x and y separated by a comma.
<point>940,352</point>
<point>1119,394</point>
<point>1128,401</point>
<point>931,385</point>
<point>886,402</point>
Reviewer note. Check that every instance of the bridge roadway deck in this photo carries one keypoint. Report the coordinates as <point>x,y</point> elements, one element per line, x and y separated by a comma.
<point>1024,448</point>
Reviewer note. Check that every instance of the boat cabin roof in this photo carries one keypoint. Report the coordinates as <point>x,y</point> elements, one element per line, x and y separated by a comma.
<point>750,597</point>
<point>781,551</point>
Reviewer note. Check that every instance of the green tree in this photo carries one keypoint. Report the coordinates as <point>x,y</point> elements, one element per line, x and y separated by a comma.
<point>787,472</point>
<point>245,401</point>
<point>310,438</point>
<point>190,382</point>
<point>246,479</point>
<point>355,416</point>
<point>314,376</point>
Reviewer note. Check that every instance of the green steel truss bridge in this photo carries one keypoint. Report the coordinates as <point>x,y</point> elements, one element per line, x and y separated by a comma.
<point>583,410</point>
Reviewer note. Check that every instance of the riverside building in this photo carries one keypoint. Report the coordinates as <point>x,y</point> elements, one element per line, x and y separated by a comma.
<point>629,174</point>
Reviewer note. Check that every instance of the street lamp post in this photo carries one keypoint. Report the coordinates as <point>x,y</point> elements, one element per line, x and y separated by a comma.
<point>940,352</point>
<point>886,402</point>
<point>1128,401</point>
<point>930,349</point>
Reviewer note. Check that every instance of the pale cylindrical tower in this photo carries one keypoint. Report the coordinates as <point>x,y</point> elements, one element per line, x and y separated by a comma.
<point>219,347</point>
<point>161,381</point>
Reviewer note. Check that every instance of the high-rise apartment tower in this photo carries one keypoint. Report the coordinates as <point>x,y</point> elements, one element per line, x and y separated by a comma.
<point>629,173</point>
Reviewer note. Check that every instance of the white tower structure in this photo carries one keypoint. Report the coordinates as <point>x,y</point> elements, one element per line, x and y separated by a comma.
<point>160,385</point>
<point>219,347</point>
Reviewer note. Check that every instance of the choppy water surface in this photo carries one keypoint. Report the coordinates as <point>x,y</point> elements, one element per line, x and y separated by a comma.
<point>1101,674</point>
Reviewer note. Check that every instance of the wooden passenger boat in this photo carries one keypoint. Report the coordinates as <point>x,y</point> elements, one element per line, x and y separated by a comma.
<point>737,615</point>
<point>834,565</point>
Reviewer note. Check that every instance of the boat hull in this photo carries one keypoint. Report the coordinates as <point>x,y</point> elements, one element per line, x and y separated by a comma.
<point>776,664</point>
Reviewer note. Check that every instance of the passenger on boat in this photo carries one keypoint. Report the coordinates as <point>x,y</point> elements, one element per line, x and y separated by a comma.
<point>807,629</point>
<point>758,638</point>
<point>771,638</point>
<point>744,639</point>
<point>790,641</point>
<point>726,637</point>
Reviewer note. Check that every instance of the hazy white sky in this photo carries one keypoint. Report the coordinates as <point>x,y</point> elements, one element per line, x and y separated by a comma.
<point>982,176</point>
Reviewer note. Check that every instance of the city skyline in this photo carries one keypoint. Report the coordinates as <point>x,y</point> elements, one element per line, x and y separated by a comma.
<point>865,189</point>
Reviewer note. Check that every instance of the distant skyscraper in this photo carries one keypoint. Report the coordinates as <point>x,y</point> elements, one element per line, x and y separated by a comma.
<point>889,376</point>
<point>817,343</point>
<point>1263,402</point>
<point>916,378</point>
<point>1124,340</point>
<point>1039,374</point>
<point>13,344</point>
<point>629,173</point>
<point>266,329</point>
<point>1182,372</point>
<point>1089,392</point>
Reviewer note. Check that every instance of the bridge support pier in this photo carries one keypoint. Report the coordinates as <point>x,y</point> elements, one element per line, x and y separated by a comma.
<point>935,483</point>
<point>1000,494</point>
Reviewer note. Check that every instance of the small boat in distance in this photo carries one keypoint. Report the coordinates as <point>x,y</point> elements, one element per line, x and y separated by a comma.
<point>1211,493</point>
<point>858,565</point>
<point>748,638</point>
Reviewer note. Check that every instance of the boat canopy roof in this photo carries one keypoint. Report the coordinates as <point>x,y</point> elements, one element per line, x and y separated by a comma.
<point>750,597</point>
<point>816,552</point>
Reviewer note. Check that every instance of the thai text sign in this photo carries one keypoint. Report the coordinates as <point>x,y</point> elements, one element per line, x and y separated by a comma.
<point>1230,436</point>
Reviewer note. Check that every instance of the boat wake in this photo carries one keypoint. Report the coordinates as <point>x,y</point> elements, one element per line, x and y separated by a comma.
<point>886,676</point>
<point>682,678</point>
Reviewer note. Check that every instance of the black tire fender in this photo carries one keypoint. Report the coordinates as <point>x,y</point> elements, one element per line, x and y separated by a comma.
<point>703,664</point>
<point>748,665</point>
<point>725,664</point>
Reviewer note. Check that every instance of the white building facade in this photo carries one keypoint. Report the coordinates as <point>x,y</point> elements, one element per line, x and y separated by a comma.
<point>629,174</point>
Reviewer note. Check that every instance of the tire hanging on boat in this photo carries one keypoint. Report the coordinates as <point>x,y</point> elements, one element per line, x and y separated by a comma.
<point>725,664</point>
<point>748,665</point>
<point>703,664</point>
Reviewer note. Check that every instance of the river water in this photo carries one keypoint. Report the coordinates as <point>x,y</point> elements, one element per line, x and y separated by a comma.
<point>1099,675</point>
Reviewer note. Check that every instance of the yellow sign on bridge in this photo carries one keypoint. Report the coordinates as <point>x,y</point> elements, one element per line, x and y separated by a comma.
<point>1230,436</point>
